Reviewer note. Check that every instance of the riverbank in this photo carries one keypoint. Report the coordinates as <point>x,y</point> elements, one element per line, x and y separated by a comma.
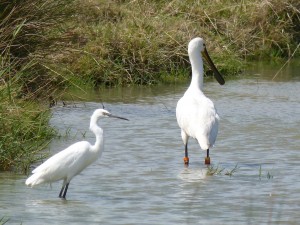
<point>141,42</point>
<point>47,47</point>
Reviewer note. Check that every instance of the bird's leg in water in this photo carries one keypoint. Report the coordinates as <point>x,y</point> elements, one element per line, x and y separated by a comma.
<point>186,155</point>
<point>207,159</point>
<point>62,189</point>
<point>66,189</point>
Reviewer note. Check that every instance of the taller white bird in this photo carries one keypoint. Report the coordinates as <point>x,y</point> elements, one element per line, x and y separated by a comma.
<point>196,114</point>
<point>71,161</point>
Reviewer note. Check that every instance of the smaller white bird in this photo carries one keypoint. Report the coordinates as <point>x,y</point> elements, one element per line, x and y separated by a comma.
<point>71,161</point>
<point>196,114</point>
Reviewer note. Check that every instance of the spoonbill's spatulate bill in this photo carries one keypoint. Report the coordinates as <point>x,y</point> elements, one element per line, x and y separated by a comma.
<point>71,161</point>
<point>196,114</point>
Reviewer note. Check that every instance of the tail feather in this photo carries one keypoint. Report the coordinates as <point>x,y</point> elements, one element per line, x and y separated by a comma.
<point>34,180</point>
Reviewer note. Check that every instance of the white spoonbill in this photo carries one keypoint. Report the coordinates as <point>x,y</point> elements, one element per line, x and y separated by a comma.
<point>71,161</point>
<point>196,114</point>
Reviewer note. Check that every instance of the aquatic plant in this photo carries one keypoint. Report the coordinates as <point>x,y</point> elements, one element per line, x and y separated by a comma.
<point>3,220</point>
<point>217,170</point>
<point>231,172</point>
<point>212,170</point>
<point>268,174</point>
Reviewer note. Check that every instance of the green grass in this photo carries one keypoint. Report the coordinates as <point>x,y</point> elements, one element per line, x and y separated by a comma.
<point>24,134</point>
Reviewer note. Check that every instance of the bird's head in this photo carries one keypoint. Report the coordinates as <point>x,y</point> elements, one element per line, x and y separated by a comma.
<point>104,113</point>
<point>197,45</point>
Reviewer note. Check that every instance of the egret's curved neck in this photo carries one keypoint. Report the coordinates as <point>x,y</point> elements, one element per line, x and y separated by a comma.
<point>98,131</point>
<point>197,70</point>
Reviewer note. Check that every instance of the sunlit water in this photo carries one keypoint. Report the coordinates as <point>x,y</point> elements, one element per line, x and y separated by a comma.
<point>141,179</point>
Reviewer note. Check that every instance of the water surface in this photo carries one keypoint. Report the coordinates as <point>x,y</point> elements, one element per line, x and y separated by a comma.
<point>140,178</point>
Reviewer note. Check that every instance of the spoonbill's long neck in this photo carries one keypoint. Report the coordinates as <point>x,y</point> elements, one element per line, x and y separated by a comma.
<point>98,131</point>
<point>197,70</point>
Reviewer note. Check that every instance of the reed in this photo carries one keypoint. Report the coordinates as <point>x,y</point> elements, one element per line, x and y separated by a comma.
<point>25,43</point>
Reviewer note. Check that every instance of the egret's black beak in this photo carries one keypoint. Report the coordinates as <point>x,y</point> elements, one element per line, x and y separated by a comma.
<point>118,117</point>
<point>217,74</point>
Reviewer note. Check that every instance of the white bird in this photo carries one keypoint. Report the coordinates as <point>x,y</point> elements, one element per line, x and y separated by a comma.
<point>71,161</point>
<point>196,114</point>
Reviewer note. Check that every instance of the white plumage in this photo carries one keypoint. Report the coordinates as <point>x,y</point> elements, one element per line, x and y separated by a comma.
<point>71,161</point>
<point>196,114</point>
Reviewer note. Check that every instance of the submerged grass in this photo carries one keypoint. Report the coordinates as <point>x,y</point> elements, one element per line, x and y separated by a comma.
<point>216,170</point>
<point>268,174</point>
<point>3,220</point>
<point>212,170</point>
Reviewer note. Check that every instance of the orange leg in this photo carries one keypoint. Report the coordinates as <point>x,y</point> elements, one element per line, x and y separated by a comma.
<point>186,161</point>
<point>186,156</point>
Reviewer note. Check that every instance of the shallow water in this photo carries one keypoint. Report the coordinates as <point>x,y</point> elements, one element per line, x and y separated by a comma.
<point>140,178</point>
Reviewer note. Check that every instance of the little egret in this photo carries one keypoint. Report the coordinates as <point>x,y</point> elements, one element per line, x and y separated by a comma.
<point>71,161</point>
<point>196,114</point>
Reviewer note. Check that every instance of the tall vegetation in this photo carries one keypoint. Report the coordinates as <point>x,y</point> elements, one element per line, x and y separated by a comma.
<point>46,45</point>
<point>144,42</point>
<point>27,37</point>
